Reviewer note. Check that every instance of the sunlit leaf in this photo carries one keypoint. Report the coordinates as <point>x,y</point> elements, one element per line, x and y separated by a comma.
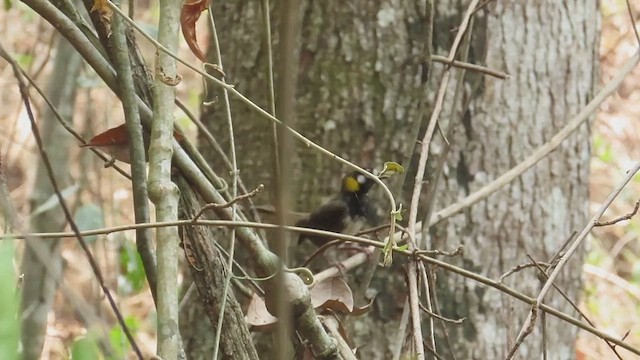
<point>390,168</point>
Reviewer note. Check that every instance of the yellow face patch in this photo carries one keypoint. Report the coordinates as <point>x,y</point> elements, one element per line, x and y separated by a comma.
<point>351,184</point>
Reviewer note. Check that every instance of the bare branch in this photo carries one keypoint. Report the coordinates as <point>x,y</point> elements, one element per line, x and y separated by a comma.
<point>253,193</point>
<point>468,66</point>
<point>621,218</point>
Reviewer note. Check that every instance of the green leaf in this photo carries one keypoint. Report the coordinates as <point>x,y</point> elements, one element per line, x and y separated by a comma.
<point>9,303</point>
<point>85,348</point>
<point>390,168</point>
<point>89,217</point>
<point>118,339</point>
<point>397,215</point>
<point>403,247</point>
<point>25,60</point>
<point>132,267</point>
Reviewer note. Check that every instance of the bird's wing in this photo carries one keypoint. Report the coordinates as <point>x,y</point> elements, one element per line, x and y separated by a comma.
<point>329,217</point>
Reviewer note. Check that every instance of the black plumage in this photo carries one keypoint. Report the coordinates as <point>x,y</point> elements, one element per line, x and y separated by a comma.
<point>347,213</point>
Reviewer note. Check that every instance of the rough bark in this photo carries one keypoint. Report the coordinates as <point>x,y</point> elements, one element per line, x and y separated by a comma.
<point>208,270</point>
<point>360,72</point>
<point>549,49</point>
<point>40,283</point>
<point>360,84</point>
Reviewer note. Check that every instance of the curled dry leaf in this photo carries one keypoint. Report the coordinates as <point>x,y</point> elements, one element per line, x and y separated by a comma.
<point>164,78</point>
<point>357,311</point>
<point>333,294</point>
<point>171,81</point>
<point>258,316</point>
<point>189,15</point>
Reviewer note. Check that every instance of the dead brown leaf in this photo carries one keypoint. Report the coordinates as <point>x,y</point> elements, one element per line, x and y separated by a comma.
<point>189,15</point>
<point>333,294</point>
<point>258,316</point>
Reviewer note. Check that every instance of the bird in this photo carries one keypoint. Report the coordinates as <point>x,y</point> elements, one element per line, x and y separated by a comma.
<point>348,212</point>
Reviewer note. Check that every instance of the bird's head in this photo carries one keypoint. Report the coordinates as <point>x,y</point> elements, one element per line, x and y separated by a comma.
<point>356,183</point>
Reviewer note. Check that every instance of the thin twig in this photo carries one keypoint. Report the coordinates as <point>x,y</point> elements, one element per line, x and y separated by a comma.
<point>442,318</point>
<point>458,251</point>
<point>253,193</point>
<point>469,66</point>
<point>428,293</point>
<point>402,330</point>
<point>527,329</point>
<point>633,23</point>
<point>266,18</point>
<point>621,218</point>
<point>431,277</point>
<point>519,268</point>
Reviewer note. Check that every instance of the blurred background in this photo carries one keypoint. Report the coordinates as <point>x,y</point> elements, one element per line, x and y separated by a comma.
<point>611,295</point>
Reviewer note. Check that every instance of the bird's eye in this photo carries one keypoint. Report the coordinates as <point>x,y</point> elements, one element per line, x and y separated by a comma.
<point>361,179</point>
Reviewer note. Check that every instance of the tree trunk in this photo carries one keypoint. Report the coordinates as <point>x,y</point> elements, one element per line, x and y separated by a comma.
<point>208,271</point>
<point>550,51</point>
<point>361,82</point>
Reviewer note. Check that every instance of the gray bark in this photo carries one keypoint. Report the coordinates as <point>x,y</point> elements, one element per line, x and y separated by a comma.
<point>360,82</point>
<point>40,281</point>
<point>550,51</point>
